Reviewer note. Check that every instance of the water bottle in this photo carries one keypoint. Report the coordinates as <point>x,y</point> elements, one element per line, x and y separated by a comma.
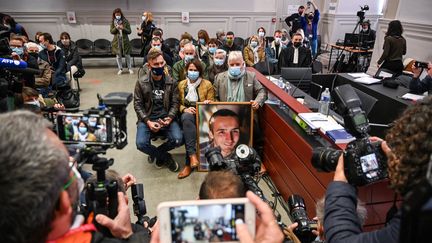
<point>324,102</point>
<point>288,87</point>
<point>281,85</point>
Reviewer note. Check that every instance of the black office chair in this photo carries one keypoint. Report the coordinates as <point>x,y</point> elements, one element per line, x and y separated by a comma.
<point>238,41</point>
<point>102,47</point>
<point>85,47</point>
<point>300,77</point>
<point>136,48</point>
<point>263,67</point>
<point>317,67</point>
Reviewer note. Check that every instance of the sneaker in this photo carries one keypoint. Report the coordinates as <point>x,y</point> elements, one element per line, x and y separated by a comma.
<point>119,72</point>
<point>172,164</point>
<point>159,163</point>
<point>130,71</point>
<point>150,159</point>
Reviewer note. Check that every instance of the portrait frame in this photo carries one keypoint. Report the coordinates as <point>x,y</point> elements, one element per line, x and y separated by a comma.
<point>245,114</point>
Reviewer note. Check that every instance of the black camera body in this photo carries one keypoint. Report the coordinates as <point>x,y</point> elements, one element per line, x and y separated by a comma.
<point>364,161</point>
<point>361,13</point>
<point>419,64</point>
<point>245,162</point>
<point>299,215</point>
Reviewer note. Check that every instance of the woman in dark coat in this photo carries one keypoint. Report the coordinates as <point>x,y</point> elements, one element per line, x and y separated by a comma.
<point>120,28</point>
<point>394,48</point>
<point>146,30</point>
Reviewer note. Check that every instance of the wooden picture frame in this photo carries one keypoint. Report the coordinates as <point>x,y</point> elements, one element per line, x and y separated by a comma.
<point>240,131</point>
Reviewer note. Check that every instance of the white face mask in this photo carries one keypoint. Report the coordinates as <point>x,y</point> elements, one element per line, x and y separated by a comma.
<point>33,102</point>
<point>143,18</point>
<point>118,17</point>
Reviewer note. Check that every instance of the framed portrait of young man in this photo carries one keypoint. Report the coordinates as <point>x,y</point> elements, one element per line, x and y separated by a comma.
<point>224,125</point>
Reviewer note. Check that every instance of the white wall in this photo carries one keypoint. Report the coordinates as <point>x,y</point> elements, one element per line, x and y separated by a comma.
<point>94,16</point>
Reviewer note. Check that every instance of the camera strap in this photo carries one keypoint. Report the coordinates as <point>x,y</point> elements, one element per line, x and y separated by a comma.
<point>392,211</point>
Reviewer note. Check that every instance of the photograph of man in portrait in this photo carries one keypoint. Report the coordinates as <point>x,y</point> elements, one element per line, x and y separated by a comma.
<point>224,125</point>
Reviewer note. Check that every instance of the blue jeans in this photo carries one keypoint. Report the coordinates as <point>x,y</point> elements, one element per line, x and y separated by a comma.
<point>314,48</point>
<point>173,134</point>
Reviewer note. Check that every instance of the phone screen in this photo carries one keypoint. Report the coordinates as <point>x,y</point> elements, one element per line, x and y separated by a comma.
<point>205,223</point>
<point>88,129</point>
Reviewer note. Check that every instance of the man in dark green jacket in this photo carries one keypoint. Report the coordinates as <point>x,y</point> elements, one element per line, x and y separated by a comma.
<point>179,73</point>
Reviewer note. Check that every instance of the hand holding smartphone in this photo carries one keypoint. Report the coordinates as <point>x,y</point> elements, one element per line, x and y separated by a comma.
<point>204,220</point>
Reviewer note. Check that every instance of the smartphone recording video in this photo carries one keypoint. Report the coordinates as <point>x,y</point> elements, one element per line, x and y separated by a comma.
<point>213,222</point>
<point>90,129</point>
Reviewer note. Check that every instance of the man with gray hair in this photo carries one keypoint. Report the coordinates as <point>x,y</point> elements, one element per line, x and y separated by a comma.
<point>179,72</point>
<point>40,189</point>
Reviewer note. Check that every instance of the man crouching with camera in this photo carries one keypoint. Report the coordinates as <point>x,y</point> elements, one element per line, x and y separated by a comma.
<point>40,190</point>
<point>408,152</point>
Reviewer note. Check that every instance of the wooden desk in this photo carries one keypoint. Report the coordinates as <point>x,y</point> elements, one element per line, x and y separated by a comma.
<point>287,158</point>
<point>348,49</point>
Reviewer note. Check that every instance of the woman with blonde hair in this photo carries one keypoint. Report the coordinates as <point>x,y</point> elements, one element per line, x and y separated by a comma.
<point>146,29</point>
<point>253,52</point>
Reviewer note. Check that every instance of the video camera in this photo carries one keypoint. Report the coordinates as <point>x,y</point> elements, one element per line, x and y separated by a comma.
<point>299,215</point>
<point>364,161</point>
<point>105,125</point>
<point>361,13</point>
<point>245,162</point>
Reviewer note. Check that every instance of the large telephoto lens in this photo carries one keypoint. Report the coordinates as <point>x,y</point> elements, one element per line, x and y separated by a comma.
<point>325,159</point>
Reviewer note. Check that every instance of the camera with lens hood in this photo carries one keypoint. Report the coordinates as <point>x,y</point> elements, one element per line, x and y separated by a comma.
<point>298,214</point>
<point>364,161</point>
<point>245,162</point>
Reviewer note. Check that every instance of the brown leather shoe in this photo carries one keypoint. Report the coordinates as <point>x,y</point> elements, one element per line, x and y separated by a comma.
<point>187,170</point>
<point>194,161</point>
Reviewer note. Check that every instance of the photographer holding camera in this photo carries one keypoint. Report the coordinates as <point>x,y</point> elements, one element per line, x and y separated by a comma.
<point>420,86</point>
<point>408,154</point>
<point>40,189</point>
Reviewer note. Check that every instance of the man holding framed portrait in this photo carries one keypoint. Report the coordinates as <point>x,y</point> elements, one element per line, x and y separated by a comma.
<point>239,85</point>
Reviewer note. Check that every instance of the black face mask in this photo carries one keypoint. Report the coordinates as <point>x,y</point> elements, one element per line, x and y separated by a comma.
<point>297,44</point>
<point>34,54</point>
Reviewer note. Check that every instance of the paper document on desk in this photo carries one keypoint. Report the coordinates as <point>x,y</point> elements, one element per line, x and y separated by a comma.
<point>410,96</point>
<point>367,80</point>
<point>358,75</point>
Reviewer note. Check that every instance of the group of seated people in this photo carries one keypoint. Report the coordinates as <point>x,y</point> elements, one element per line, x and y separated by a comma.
<point>281,52</point>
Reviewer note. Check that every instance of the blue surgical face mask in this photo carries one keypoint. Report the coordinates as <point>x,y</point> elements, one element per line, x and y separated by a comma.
<point>202,41</point>
<point>18,50</point>
<point>212,50</point>
<point>254,44</point>
<point>92,123</point>
<point>82,130</point>
<point>118,17</point>
<point>234,71</point>
<point>157,47</point>
<point>219,62</point>
<point>188,58</point>
<point>157,71</point>
<point>193,75</point>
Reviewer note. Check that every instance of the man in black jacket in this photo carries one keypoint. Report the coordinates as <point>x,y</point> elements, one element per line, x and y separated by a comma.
<point>293,21</point>
<point>55,56</point>
<point>295,55</point>
<point>156,104</point>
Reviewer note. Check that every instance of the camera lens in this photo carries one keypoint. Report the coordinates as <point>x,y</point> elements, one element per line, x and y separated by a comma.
<point>325,159</point>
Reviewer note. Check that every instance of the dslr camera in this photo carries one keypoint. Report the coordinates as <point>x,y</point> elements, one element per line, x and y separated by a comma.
<point>364,161</point>
<point>245,162</point>
<point>419,64</point>
<point>299,215</point>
